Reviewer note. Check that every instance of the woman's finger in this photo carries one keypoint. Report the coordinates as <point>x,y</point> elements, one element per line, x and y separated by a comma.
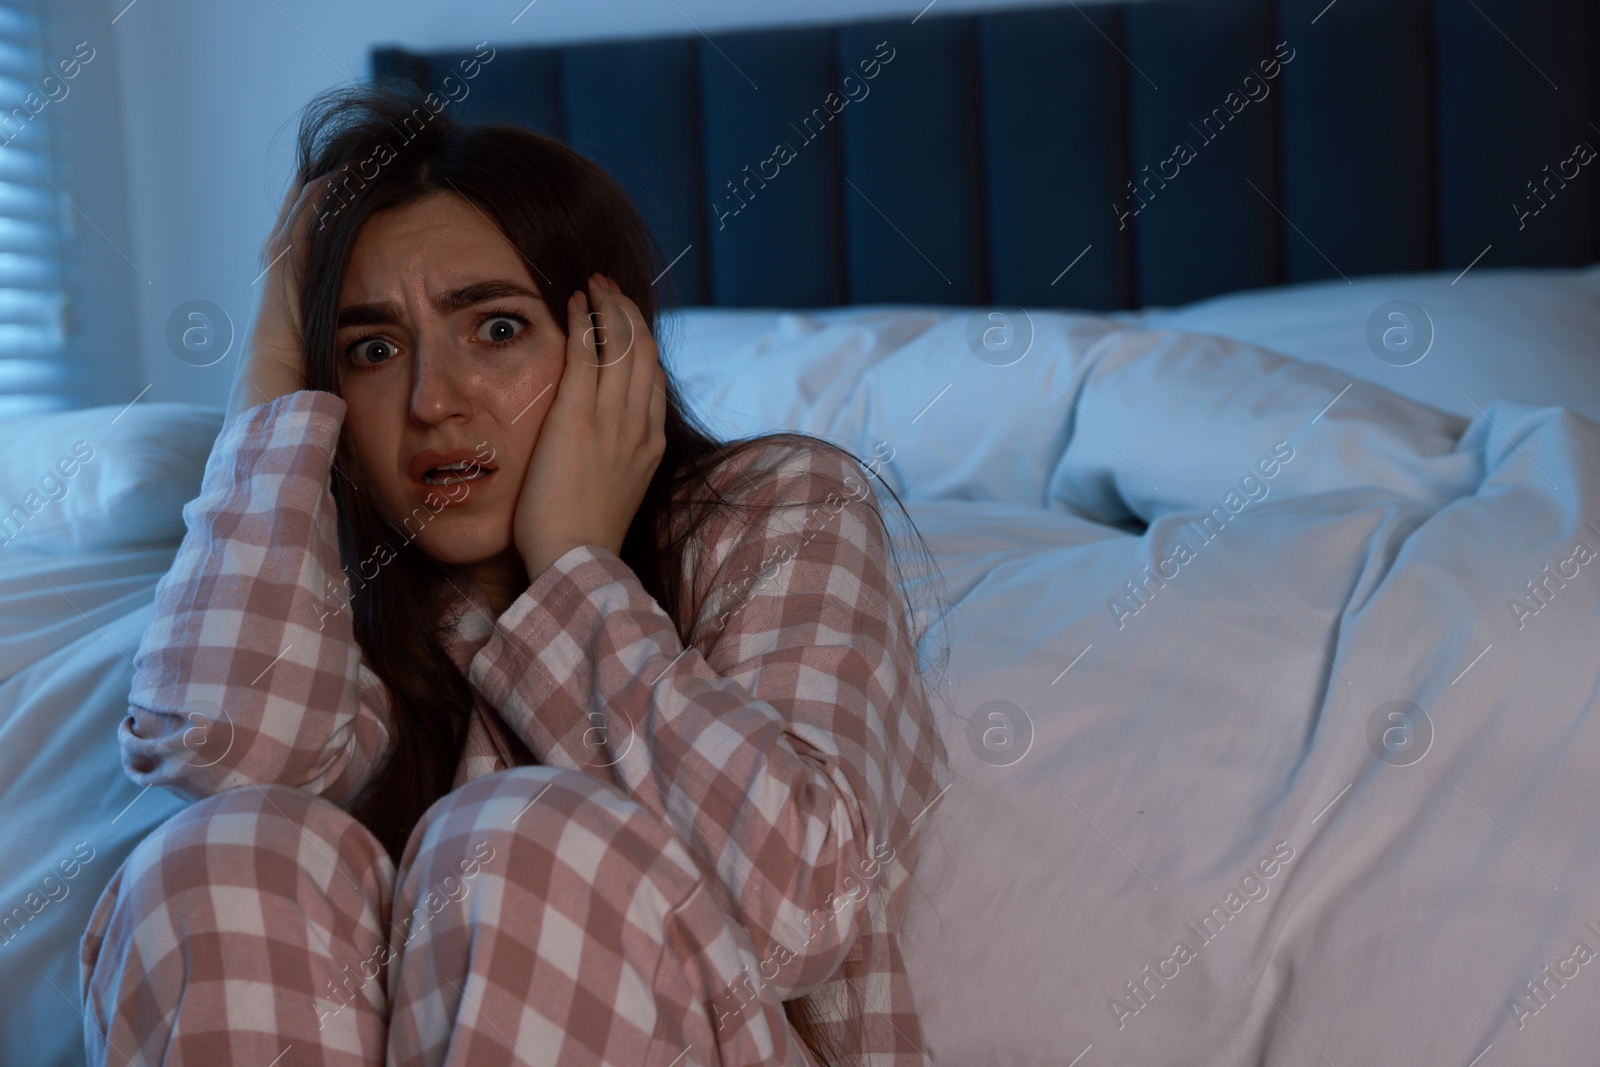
<point>646,359</point>
<point>641,348</point>
<point>293,229</point>
<point>579,379</point>
<point>611,396</point>
<point>609,342</point>
<point>308,208</point>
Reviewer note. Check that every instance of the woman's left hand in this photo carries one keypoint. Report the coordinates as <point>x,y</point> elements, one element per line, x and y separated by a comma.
<point>602,438</point>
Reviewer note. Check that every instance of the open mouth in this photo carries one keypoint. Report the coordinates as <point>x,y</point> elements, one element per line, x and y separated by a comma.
<point>455,473</point>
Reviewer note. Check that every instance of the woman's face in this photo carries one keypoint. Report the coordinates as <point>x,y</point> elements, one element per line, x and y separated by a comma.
<point>445,346</point>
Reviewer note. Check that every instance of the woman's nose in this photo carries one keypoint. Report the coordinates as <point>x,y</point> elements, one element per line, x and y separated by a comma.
<point>438,389</point>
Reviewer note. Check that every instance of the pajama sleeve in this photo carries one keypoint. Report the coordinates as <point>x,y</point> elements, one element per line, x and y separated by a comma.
<point>249,671</point>
<point>789,745</point>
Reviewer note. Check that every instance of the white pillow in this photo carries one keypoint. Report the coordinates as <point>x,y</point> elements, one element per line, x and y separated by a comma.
<point>873,379</point>
<point>1524,334</point>
<point>915,391</point>
<point>1161,411</point>
<point>98,478</point>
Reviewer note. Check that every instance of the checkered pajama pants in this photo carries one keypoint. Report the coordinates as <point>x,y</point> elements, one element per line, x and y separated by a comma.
<point>538,916</point>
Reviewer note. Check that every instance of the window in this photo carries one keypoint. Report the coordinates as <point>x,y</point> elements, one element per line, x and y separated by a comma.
<point>35,219</point>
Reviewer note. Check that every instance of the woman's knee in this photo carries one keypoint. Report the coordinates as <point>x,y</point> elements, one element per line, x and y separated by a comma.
<point>266,833</point>
<point>542,834</point>
<point>530,882</point>
<point>540,885</point>
<point>233,850</point>
<point>548,809</point>
<point>247,900</point>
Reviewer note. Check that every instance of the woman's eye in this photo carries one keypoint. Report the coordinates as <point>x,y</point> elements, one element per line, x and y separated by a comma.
<point>501,329</point>
<point>369,351</point>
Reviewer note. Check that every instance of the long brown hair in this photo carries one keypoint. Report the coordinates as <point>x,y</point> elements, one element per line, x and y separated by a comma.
<point>386,147</point>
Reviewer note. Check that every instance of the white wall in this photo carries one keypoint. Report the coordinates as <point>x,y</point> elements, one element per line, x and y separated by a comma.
<point>208,94</point>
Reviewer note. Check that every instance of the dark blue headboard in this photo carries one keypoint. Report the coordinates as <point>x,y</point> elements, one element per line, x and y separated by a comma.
<point>988,152</point>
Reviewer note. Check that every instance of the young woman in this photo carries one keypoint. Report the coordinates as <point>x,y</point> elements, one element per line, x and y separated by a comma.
<point>526,722</point>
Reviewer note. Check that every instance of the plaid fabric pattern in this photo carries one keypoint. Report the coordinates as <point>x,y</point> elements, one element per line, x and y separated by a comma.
<point>538,916</point>
<point>734,822</point>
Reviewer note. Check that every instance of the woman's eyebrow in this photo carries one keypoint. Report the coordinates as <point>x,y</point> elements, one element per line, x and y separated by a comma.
<point>386,313</point>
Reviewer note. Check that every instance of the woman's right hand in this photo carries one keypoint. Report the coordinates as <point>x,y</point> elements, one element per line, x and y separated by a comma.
<point>273,364</point>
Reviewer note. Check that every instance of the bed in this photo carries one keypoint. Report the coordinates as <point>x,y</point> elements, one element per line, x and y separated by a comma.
<point>1315,787</point>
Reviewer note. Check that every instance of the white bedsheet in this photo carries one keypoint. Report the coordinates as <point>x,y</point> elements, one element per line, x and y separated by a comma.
<point>1229,720</point>
<point>69,625</point>
<point>1157,756</point>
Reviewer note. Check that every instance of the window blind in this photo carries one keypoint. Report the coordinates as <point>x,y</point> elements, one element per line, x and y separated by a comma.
<point>35,218</point>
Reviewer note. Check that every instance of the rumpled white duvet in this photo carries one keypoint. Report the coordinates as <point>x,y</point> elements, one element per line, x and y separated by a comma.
<point>1271,692</point>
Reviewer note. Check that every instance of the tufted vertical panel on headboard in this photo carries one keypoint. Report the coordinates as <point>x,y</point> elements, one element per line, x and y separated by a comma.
<point>772,168</point>
<point>1088,155</point>
<point>913,165</point>
<point>1504,116</point>
<point>1358,140</point>
<point>1212,227</point>
<point>1056,153</point>
<point>634,108</point>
